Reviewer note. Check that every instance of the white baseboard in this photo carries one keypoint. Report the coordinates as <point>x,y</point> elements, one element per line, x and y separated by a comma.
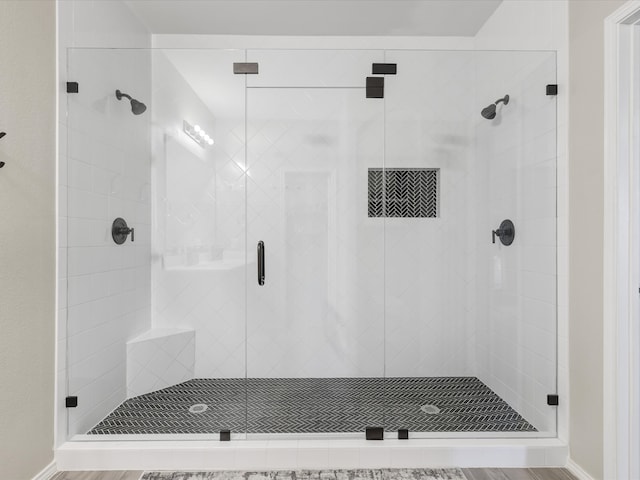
<point>577,470</point>
<point>47,472</point>
<point>310,454</point>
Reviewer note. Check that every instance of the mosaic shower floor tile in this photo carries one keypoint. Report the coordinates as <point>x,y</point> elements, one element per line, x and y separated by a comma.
<point>316,405</point>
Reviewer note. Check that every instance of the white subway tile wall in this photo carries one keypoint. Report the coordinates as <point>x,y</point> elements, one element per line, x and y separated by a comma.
<point>515,317</point>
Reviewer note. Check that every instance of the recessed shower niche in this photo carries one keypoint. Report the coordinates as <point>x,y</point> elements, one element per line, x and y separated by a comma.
<point>403,192</point>
<point>370,220</point>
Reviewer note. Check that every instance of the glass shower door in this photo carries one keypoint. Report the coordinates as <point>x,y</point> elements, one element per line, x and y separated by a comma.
<point>315,321</point>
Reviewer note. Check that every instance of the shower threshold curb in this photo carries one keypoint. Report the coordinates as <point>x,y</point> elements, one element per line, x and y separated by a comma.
<point>311,454</point>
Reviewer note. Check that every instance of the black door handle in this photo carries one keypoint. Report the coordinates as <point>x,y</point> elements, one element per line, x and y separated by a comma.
<point>2,134</point>
<point>261,272</point>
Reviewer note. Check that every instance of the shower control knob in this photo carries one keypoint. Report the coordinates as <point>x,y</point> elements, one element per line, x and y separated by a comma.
<point>506,232</point>
<point>127,231</point>
<point>120,230</point>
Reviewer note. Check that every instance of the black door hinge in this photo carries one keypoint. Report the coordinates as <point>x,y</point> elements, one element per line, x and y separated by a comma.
<point>71,402</point>
<point>245,68</point>
<point>72,87</point>
<point>552,400</point>
<point>552,89</point>
<point>384,68</point>
<point>375,87</point>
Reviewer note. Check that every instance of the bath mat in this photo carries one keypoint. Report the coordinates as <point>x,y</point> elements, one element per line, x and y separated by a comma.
<point>369,474</point>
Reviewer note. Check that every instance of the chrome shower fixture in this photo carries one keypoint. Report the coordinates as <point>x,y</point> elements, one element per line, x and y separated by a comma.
<point>490,111</point>
<point>136,107</point>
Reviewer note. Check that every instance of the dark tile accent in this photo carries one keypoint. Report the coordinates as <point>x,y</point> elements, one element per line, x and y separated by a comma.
<point>403,192</point>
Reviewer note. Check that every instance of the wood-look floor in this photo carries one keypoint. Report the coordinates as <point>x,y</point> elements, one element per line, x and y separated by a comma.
<point>518,474</point>
<point>470,473</point>
<point>129,475</point>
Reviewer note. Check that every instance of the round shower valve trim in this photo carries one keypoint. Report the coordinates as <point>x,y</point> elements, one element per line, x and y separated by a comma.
<point>506,233</point>
<point>120,230</point>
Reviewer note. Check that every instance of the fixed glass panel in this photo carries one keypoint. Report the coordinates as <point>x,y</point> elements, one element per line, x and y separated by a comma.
<point>429,152</point>
<point>516,287</point>
<point>108,176</point>
<point>165,157</point>
<point>315,326</point>
<point>470,334</point>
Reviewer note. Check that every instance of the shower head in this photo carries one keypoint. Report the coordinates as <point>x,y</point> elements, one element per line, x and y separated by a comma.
<point>136,107</point>
<point>490,112</point>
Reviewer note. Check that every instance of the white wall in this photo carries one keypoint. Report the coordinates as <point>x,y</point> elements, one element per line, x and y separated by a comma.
<point>586,42</point>
<point>27,236</point>
<point>104,294</point>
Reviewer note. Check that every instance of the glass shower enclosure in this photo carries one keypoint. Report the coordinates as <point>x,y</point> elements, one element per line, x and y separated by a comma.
<point>315,243</point>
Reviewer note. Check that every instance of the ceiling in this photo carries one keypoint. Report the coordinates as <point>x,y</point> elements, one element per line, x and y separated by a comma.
<point>315,17</point>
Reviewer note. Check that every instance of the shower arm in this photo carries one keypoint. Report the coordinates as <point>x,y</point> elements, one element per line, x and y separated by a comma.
<point>119,95</point>
<point>504,100</point>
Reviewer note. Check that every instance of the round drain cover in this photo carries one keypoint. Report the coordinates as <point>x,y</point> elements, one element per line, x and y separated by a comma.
<point>198,408</point>
<point>430,409</point>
